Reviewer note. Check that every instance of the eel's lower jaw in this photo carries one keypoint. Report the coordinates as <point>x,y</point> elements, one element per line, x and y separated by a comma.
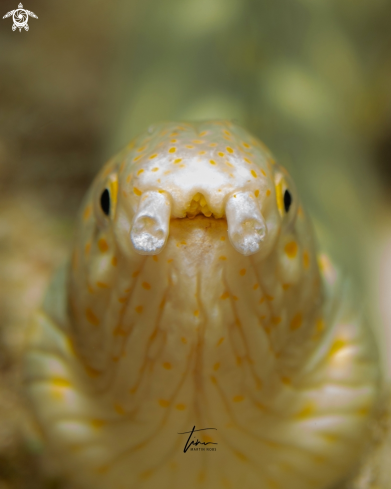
<point>150,228</point>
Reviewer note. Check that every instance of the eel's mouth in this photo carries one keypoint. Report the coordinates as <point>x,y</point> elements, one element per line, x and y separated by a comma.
<point>150,228</point>
<point>198,205</point>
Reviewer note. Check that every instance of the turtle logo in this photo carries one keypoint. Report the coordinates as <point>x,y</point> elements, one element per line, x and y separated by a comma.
<point>20,17</point>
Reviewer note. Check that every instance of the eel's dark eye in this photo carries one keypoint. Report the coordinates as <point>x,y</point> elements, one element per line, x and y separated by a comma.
<point>287,200</point>
<point>105,201</point>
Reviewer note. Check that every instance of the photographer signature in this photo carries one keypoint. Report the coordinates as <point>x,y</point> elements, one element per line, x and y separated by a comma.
<point>197,442</point>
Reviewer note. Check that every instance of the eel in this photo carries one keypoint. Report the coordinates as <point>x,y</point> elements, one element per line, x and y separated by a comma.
<point>197,338</point>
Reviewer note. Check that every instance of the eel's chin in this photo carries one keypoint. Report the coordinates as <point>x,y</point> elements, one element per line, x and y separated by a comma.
<point>198,240</point>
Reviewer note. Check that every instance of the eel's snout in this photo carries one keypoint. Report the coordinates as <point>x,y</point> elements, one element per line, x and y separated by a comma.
<point>246,225</point>
<point>151,223</point>
<point>150,228</point>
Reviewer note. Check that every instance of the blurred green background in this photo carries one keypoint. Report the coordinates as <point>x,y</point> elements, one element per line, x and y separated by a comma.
<point>311,78</point>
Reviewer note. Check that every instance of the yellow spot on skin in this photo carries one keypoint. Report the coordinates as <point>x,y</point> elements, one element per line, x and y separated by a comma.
<point>87,248</point>
<point>155,258</point>
<point>59,382</point>
<point>155,169</point>
<point>224,295</point>
<point>114,261</point>
<point>201,152</point>
<point>306,259</point>
<point>261,300</point>
<point>180,407</point>
<point>222,257</point>
<point>98,423</point>
<point>241,456</point>
<point>122,300</point>
<point>238,398</point>
<point>253,173</point>
<point>137,191</point>
<point>329,437</point>
<point>206,438</point>
<point>216,366</point>
<point>255,286</point>
<point>296,321</point>
<point>153,156</point>
<point>319,325</point>
<point>269,297</point>
<point>167,365</point>
<point>178,160</point>
<point>213,379</point>
<point>128,178</point>
<point>196,313</point>
<point>163,403</point>
<point>173,141</point>
<point>212,162</point>
<point>291,249</point>
<point>276,320</point>
<point>242,271</point>
<point>102,469</point>
<point>140,150</point>
<point>263,172</point>
<point>91,318</point>
<point>136,158</point>
<point>189,146</point>
<point>246,145</point>
<point>172,150</point>
<point>230,150</point>
<point>197,141</point>
<point>268,192</point>
<point>238,361</point>
<point>286,380</point>
<point>256,193</point>
<point>203,133</point>
<point>286,286</point>
<point>220,341</point>
<point>87,212</point>
<point>140,171</point>
<point>247,161</point>
<point>213,145</point>
<point>134,274</point>
<point>139,309</point>
<point>307,411</point>
<point>146,474</point>
<point>235,298</point>
<point>102,285</point>
<point>272,484</point>
<point>146,286</point>
<point>184,340</point>
<point>119,409</point>
<point>338,345</point>
<point>220,153</point>
<point>102,245</point>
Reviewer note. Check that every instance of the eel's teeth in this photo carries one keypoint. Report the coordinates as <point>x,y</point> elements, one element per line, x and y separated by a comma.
<point>151,223</point>
<point>246,225</point>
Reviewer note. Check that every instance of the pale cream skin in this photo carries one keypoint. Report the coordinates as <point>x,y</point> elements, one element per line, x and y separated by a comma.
<point>199,300</point>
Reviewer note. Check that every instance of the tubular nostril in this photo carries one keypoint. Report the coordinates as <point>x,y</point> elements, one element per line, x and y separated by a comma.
<point>151,223</point>
<point>246,226</point>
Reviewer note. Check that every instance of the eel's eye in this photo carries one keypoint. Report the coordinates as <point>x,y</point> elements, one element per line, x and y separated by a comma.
<point>287,200</point>
<point>105,201</point>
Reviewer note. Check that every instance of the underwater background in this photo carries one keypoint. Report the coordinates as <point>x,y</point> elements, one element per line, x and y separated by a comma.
<point>310,78</point>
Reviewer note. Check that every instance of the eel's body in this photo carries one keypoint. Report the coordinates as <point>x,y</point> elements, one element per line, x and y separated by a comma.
<point>195,297</point>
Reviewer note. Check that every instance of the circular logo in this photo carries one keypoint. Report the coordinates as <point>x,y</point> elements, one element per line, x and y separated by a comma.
<point>20,18</point>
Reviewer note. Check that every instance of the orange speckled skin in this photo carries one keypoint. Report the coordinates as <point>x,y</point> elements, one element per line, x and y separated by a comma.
<point>141,338</point>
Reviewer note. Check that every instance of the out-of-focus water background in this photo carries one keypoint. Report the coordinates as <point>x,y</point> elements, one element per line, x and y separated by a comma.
<point>311,78</point>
